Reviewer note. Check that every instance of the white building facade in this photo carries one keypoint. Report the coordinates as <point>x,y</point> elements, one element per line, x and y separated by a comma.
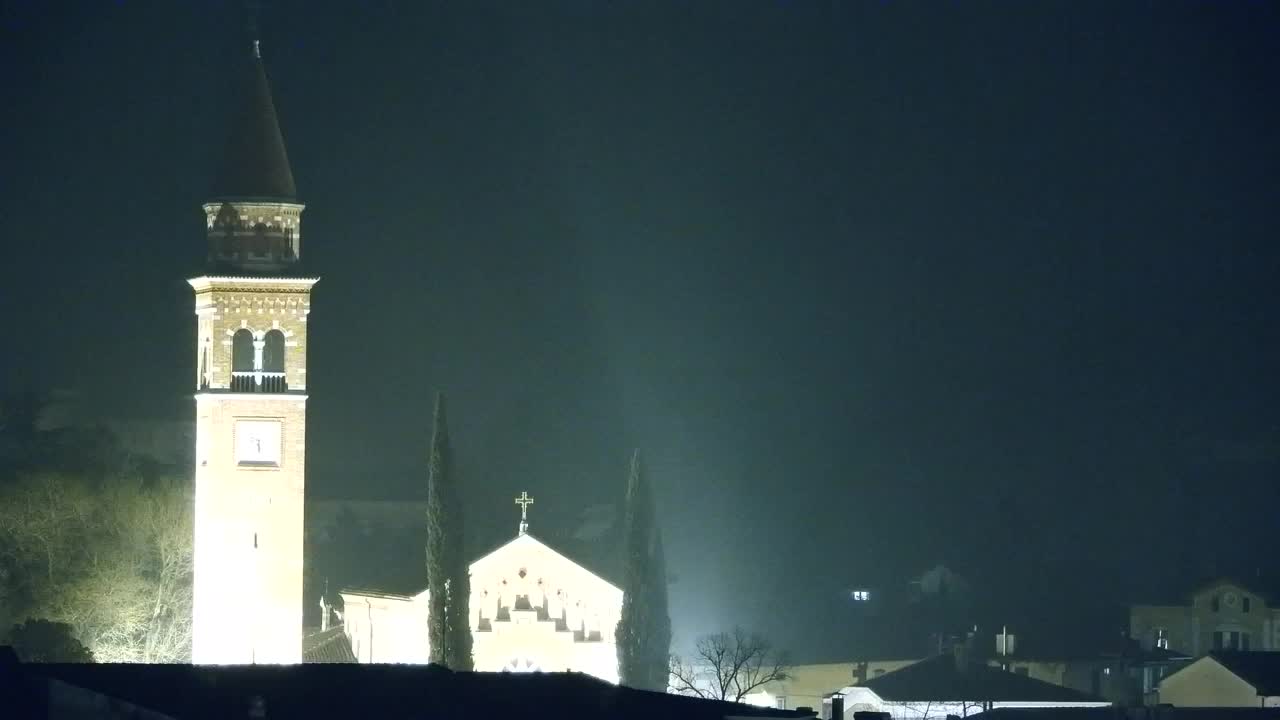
<point>532,609</point>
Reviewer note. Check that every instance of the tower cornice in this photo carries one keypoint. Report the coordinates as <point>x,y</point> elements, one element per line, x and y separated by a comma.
<point>247,283</point>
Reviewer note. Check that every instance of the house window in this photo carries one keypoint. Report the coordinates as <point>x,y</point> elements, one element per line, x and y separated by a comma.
<point>1162,638</point>
<point>1244,603</point>
<point>1215,604</point>
<point>1230,640</point>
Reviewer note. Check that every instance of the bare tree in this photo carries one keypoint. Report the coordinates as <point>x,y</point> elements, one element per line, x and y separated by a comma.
<point>112,560</point>
<point>728,666</point>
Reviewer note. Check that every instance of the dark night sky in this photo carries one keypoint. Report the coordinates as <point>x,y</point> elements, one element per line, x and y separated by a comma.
<point>875,285</point>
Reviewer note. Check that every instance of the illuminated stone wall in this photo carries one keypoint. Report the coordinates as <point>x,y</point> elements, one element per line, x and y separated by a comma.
<point>249,510</point>
<point>225,305</point>
<point>400,623</point>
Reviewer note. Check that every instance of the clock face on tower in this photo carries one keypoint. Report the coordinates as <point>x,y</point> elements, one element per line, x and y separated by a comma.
<point>257,443</point>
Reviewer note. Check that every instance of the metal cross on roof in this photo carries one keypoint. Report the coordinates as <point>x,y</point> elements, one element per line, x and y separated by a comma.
<point>524,501</point>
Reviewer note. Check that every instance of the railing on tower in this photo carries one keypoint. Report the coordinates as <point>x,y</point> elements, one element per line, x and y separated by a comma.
<point>247,381</point>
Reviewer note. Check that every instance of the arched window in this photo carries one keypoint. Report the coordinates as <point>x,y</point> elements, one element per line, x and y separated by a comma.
<point>242,351</point>
<point>260,244</point>
<point>242,361</point>
<point>273,352</point>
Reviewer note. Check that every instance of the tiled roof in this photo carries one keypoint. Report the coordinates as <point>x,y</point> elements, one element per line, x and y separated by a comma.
<point>327,646</point>
<point>939,678</point>
<point>374,691</point>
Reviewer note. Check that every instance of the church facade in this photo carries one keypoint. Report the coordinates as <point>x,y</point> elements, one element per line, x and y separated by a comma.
<point>532,609</point>
<point>252,307</point>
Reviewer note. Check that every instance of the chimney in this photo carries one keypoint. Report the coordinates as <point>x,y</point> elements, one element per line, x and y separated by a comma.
<point>837,707</point>
<point>859,673</point>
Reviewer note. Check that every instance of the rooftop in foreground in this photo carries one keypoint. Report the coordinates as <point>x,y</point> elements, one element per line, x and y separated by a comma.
<point>348,691</point>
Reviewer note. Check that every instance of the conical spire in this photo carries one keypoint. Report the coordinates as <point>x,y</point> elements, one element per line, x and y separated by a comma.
<point>255,164</point>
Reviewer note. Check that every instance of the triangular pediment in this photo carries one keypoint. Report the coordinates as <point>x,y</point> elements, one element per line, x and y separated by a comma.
<point>536,557</point>
<point>524,551</point>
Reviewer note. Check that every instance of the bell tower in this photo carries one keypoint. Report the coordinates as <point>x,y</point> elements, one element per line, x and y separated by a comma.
<point>251,308</point>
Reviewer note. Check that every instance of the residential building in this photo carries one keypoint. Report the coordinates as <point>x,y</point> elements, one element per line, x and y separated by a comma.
<point>952,685</point>
<point>1222,615</point>
<point>807,685</point>
<point>1226,679</point>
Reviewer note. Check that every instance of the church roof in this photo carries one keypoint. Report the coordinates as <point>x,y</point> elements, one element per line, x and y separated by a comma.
<point>255,164</point>
<point>327,646</point>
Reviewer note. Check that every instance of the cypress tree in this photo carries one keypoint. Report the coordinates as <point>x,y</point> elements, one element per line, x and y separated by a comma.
<point>644,630</point>
<point>448,578</point>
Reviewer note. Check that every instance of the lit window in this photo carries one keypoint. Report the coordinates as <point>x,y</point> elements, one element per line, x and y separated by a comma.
<point>860,595</point>
<point>1162,638</point>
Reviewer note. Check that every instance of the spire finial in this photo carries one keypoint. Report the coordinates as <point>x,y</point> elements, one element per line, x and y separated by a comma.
<point>252,8</point>
<point>524,501</point>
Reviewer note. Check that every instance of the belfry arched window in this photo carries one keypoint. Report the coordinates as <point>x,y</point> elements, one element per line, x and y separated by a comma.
<point>273,362</point>
<point>242,370</point>
<point>242,351</point>
<point>273,352</point>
